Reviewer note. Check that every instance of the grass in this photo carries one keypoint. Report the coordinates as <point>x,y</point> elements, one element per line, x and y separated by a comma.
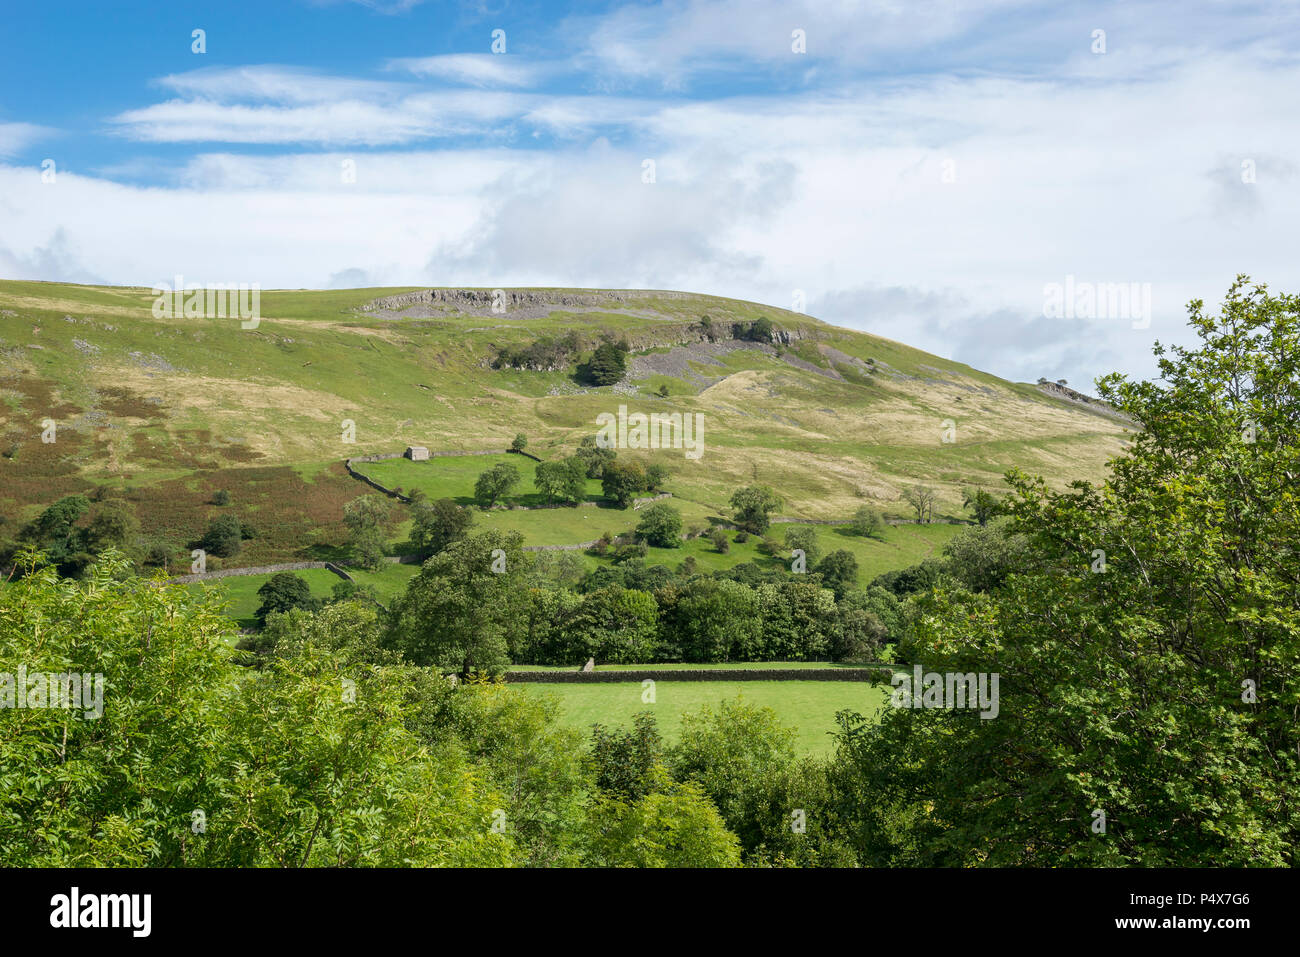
<point>807,706</point>
<point>719,666</point>
<point>454,476</point>
<point>240,591</point>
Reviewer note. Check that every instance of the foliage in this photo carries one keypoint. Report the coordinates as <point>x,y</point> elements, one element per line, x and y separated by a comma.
<point>661,526</point>
<point>753,506</point>
<point>495,484</point>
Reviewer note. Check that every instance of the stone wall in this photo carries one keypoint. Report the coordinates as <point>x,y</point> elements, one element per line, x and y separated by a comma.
<point>870,673</point>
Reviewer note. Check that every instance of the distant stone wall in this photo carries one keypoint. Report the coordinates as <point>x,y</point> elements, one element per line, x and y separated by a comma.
<point>260,570</point>
<point>874,674</point>
<point>561,548</point>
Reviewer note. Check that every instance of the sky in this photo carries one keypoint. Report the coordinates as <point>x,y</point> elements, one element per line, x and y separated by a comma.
<point>920,169</point>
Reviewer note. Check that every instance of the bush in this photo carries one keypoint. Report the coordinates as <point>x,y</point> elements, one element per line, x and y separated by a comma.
<point>221,497</point>
<point>867,521</point>
<point>661,526</point>
<point>223,537</point>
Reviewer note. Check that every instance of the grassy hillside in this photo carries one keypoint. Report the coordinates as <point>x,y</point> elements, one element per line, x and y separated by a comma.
<point>166,411</point>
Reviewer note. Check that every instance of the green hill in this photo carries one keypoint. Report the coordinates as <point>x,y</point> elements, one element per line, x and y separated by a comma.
<point>165,411</point>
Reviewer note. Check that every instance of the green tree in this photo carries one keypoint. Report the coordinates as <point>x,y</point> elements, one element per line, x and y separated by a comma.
<point>282,591</point>
<point>368,518</point>
<point>867,522</point>
<point>753,506</point>
<point>714,620</point>
<point>594,457</point>
<point>735,754</point>
<point>283,771</point>
<point>661,526</point>
<point>459,612</point>
<point>839,571</point>
<point>607,364</point>
<point>223,538</point>
<point>435,525</point>
<point>676,827</point>
<point>113,525</point>
<point>627,763</point>
<point>564,481</point>
<point>804,537</point>
<point>1151,634</point>
<point>495,484</point>
<point>984,505</point>
<point>520,442</point>
<point>621,481</point>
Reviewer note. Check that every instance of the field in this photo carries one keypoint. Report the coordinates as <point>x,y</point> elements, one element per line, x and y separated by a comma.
<point>808,706</point>
<point>240,591</point>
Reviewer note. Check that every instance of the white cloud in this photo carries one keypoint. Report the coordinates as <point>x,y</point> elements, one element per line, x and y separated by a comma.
<point>16,137</point>
<point>474,69</point>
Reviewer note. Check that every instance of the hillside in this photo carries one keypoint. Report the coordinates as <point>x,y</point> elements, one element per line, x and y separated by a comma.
<point>165,411</point>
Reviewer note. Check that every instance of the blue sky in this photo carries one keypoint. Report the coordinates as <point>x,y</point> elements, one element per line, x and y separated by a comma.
<point>923,170</point>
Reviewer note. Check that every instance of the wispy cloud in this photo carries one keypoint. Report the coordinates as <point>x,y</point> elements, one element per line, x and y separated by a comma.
<point>476,69</point>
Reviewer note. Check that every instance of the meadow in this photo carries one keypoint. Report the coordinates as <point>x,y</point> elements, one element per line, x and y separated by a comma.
<point>807,706</point>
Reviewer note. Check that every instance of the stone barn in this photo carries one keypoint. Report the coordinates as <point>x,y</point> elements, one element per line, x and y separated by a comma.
<point>417,453</point>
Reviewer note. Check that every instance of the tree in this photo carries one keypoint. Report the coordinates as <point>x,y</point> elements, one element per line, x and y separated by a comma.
<point>281,592</point>
<point>661,526</point>
<point>622,480</point>
<point>655,477</point>
<point>221,497</point>
<point>921,498</point>
<point>565,480</point>
<point>720,541</point>
<point>435,525</point>
<point>607,364</point>
<point>520,442</point>
<point>867,522</point>
<point>624,762</point>
<point>675,827</point>
<point>223,537</point>
<point>462,610</point>
<point>614,625</point>
<point>981,558</point>
<point>113,525</point>
<point>594,457</point>
<point>495,483</point>
<point>753,506</point>
<point>713,620</point>
<point>367,518</point>
<point>760,330</point>
<point>804,537</point>
<point>734,753</point>
<point>284,771</point>
<point>859,634</point>
<point>56,534</point>
<point>983,504</point>
<point>839,571</point>
<point>1151,631</point>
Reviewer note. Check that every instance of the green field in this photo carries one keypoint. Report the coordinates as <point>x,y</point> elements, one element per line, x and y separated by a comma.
<point>713,666</point>
<point>453,477</point>
<point>240,591</point>
<point>807,706</point>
